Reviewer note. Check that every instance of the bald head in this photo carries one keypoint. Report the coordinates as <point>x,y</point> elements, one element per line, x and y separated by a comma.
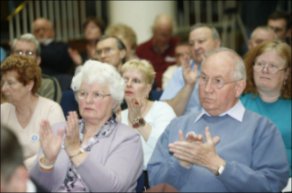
<point>43,29</point>
<point>226,54</point>
<point>162,31</point>
<point>163,20</point>
<point>260,35</point>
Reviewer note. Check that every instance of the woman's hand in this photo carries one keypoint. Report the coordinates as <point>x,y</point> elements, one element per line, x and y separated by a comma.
<point>72,140</point>
<point>134,108</point>
<point>50,142</point>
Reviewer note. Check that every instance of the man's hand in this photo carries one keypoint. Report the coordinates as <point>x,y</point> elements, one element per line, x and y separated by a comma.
<point>193,150</point>
<point>189,74</point>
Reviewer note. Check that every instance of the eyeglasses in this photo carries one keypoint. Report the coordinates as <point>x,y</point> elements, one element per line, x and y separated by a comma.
<point>272,68</point>
<point>106,51</point>
<point>218,83</point>
<point>95,95</point>
<point>24,53</point>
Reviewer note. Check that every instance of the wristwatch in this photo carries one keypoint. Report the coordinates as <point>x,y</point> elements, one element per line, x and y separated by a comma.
<point>220,170</point>
<point>140,122</point>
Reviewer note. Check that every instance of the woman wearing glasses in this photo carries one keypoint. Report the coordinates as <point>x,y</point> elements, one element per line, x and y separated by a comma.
<point>24,109</point>
<point>268,90</point>
<point>96,153</point>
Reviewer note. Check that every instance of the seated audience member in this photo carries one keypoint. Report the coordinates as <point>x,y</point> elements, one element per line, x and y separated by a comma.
<point>56,60</point>
<point>24,109</point>
<point>182,91</point>
<point>54,54</point>
<point>111,50</point>
<point>149,118</point>
<point>93,29</point>
<point>14,175</point>
<point>182,55</point>
<point>127,35</point>
<point>159,50</point>
<point>268,90</point>
<point>28,45</point>
<point>260,35</point>
<point>99,154</point>
<point>279,22</point>
<point>223,147</point>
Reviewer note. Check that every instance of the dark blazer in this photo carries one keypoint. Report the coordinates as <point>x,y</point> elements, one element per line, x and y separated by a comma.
<point>56,59</point>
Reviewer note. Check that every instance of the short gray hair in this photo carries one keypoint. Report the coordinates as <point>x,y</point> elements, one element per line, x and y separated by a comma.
<point>264,28</point>
<point>105,74</point>
<point>215,33</point>
<point>28,37</point>
<point>239,67</point>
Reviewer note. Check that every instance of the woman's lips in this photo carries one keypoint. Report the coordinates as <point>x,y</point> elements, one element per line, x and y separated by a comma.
<point>128,92</point>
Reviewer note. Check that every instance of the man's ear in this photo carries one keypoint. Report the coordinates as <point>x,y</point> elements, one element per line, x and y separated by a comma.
<point>239,88</point>
<point>218,43</point>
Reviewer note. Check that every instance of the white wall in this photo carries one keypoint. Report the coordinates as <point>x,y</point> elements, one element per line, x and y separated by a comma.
<point>139,14</point>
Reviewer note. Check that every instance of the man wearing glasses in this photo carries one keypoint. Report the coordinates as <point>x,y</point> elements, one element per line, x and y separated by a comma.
<point>28,45</point>
<point>223,147</point>
<point>111,50</point>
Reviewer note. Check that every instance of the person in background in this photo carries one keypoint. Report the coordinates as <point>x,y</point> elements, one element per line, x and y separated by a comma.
<point>93,29</point>
<point>278,21</point>
<point>149,118</point>
<point>111,50</point>
<point>223,147</point>
<point>99,153</point>
<point>2,57</point>
<point>268,90</point>
<point>14,175</point>
<point>182,90</point>
<point>55,56</point>
<point>28,45</point>
<point>159,50</point>
<point>127,35</point>
<point>2,54</point>
<point>182,55</point>
<point>24,108</point>
<point>260,35</point>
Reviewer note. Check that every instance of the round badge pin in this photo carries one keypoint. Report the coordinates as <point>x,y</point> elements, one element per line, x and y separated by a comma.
<point>35,138</point>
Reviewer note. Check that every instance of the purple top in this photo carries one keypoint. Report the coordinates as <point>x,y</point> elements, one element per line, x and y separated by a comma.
<point>114,164</point>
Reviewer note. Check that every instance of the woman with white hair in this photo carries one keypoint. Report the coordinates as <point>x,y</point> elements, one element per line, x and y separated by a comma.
<point>96,153</point>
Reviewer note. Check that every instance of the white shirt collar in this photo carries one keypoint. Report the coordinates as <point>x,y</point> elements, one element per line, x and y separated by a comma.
<point>30,187</point>
<point>236,112</point>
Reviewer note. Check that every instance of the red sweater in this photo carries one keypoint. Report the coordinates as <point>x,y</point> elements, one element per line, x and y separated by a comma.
<point>160,62</point>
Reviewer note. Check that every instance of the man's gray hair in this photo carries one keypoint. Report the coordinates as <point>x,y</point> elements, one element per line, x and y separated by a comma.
<point>215,33</point>
<point>101,73</point>
<point>264,28</point>
<point>28,37</point>
<point>239,67</point>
